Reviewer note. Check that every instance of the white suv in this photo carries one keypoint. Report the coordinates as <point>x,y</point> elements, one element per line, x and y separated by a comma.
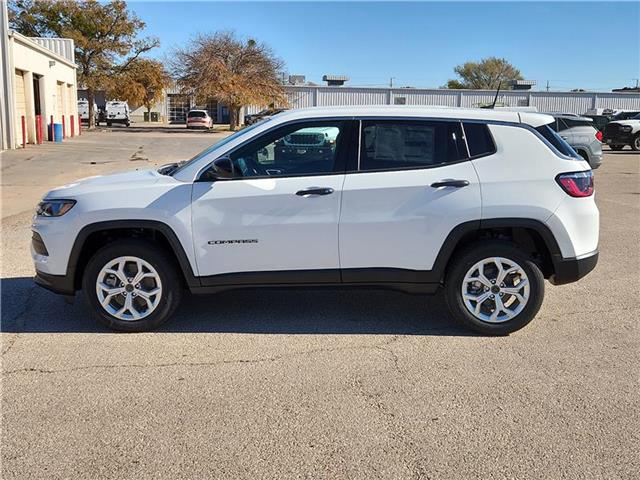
<point>485,204</point>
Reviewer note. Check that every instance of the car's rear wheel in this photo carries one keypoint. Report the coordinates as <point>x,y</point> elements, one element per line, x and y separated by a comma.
<point>616,148</point>
<point>132,285</point>
<point>494,288</point>
<point>635,143</point>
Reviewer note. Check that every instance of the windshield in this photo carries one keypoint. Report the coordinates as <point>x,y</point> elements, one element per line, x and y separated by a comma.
<point>637,117</point>
<point>216,145</point>
<point>193,114</point>
<point>557,141</point>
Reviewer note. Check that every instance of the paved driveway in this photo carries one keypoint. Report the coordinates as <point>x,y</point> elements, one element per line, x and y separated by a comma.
<point>318,383</point>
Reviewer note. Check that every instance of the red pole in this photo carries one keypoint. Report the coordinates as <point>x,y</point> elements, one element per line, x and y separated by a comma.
<point>51,128</point>
<point>64,129</point>
<point>73,126</point>
<point>24,133</point>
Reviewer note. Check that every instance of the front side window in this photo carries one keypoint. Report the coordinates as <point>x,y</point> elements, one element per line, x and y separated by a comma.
<point>302,149</point>
<point>390,144</point>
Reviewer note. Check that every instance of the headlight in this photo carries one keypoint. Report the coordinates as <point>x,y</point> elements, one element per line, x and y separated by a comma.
<point>54,208</point>
<point>626,128</point>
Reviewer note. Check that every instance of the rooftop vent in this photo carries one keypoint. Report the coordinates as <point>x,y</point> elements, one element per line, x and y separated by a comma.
<point>335,80</point>
<point>522,84</point>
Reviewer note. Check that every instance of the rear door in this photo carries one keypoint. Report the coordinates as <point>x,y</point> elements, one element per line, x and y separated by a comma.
<point>276,221</point>
<point>412,185</point>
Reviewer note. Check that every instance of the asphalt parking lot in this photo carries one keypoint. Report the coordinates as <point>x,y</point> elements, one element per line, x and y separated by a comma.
<point>314,383</point>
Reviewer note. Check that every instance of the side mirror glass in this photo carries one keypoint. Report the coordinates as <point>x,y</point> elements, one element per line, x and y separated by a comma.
<point>223,168</point>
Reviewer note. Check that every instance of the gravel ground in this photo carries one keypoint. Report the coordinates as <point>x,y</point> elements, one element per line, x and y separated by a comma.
<point>315,383</point>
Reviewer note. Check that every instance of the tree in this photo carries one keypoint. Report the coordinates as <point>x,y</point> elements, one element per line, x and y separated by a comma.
<point>231,70</point>
<point>486,74</point>
<point>141,84</point>
<point>104,33</point>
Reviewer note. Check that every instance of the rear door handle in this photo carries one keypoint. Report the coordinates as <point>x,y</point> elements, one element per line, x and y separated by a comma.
<point>450,183</point>
<point>314,191</point>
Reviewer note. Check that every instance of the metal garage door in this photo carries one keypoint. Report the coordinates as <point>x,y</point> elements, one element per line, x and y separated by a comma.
<point>179,106</point>
<point>21,104</point>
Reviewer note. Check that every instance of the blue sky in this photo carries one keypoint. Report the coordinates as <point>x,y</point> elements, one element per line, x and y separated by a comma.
<point>593,45</point>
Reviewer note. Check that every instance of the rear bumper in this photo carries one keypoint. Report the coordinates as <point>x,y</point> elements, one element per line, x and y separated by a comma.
<point>60,284</point>
<point>617,138</point>
<point>568,270</point>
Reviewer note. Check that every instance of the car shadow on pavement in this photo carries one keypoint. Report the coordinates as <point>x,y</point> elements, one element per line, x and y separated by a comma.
<point>27,308</point>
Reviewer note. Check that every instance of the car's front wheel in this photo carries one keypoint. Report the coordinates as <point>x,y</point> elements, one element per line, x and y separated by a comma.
<point>494,288</point>
<point>132,285</point>
<point>635,143</point>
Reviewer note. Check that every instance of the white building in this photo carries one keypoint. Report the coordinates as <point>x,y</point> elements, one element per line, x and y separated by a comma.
<point>38,79</point>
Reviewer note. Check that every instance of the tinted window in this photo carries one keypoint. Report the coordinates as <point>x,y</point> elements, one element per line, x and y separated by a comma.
<point>409,144</point>
<point>562,124</point>
<point>301,149</point>
<point>479,139</point>
<point>554,139</point>
<point>196,114</point>
<point>577,122</point>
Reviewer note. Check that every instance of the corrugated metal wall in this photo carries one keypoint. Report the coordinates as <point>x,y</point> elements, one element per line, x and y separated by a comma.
<point>569,102</point>
<point>61,46</point>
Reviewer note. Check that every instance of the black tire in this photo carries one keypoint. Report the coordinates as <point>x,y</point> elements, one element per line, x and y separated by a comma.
<point>159,259</point>
<point>616,148</point>
<point>465,260</point>
<point>108,124</point>
<point>635,143</point>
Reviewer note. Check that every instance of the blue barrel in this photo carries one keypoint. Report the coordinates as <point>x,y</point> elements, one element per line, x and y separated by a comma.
<point>57,132</point>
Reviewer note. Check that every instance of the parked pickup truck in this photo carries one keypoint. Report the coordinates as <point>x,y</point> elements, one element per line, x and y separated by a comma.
<point>619,133</point>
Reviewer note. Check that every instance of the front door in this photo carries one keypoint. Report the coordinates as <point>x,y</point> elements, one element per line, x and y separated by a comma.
<point>413,185</point>
<point>276,220</point>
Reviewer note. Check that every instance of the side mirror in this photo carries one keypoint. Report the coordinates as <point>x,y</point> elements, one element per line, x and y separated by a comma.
<point>222,168</point>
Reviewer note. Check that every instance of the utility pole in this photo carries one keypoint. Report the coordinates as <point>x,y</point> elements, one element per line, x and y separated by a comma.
<point>547,85</point>
<point>391,82</point>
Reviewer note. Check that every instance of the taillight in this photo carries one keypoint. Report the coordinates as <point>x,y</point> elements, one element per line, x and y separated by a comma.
<point>577,184</point>
<point>599,135</point>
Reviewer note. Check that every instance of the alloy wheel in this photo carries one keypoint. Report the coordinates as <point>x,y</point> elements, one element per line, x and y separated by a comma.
<point>129,288</point>
<point>495,290</point>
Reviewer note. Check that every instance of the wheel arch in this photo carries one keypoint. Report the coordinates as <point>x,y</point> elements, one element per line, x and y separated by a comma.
<point>533,236</point>
<point>95,235</point>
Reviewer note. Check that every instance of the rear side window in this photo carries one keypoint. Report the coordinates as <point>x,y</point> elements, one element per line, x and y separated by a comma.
<point>479,139</point>
<point>390,144</point>
<point>558,143</point>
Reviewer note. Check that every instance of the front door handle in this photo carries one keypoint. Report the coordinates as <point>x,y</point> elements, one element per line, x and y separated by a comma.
<point>314,191</point>
<point>450,183</point>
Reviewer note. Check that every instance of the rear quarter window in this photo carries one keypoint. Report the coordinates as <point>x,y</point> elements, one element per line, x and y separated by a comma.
<point>479,139</point>
<point>556,141</point>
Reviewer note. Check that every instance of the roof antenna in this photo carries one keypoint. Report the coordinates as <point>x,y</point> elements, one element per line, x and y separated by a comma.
<point>495,100</point>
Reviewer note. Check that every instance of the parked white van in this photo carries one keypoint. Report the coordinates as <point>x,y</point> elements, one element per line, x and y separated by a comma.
<point>117,112</point>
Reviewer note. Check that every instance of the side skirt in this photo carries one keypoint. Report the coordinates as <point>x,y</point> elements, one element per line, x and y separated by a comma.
<point>408,281</point>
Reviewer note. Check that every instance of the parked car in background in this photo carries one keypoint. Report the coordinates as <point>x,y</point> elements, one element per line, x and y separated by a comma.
<point>625,115</point>
<point>619,133</point>
<point>599,121</point>
<point>483,204</point>
<point>117,112</point>
<point>199,119</point>
<point>83,111</point>
<point>261,115</point>
<point>583,137</point>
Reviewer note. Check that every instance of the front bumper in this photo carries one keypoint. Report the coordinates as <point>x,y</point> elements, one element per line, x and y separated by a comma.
<point>60,284</point>
<point>568,270</point>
